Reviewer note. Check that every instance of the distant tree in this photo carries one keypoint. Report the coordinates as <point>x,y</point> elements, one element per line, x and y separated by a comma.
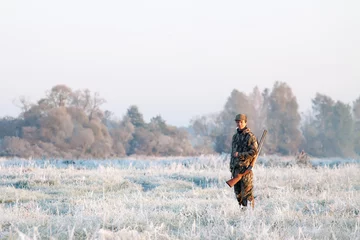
<point>356,109</point>
<point>343,123</point>
<point>31,134</point>
<point>181,145</point>
<point>158,124</point>
<point>78,117</point>
<point>16,147</point>
<point>330,132</point>
<point>283,120</point>
<point>23,103</point>
<point>101,149</point>
<point>356,113</point>
<point>102,145</point>
<point>136,118</point>
<point>143,142</point>
<point>82,99</point>
<point>82,139</point>
<point>203,130</point>
<point>262,119</point>
<point>89,102</point>
<point>316,125</point>
<point>10,126</point>
<point>60,96</point>
<point>122,136</point>
<point>32,116</point>
<point>56,126</point>
<point>107,116</point>
<point>237,102</point>
<point>156,138</point>
<point>95,110</point>
<point>260,104</point>
<point>310,133</point>
<point>203,125</point>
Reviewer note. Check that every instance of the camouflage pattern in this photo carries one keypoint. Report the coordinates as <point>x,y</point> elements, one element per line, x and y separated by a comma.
<point>244,188</point>
<point>244,142</point>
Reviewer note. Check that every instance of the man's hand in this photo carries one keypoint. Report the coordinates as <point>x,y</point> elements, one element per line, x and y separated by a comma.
<point>236,154</point>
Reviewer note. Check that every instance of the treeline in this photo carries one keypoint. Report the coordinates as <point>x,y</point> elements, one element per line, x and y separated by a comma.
<point>330,129</point>
<point>71,124</point>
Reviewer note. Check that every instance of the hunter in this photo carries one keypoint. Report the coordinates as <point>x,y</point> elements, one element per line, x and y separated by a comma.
<point>243,153</point>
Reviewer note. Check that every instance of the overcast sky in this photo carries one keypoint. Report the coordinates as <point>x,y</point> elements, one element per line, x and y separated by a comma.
<point>178,58</point>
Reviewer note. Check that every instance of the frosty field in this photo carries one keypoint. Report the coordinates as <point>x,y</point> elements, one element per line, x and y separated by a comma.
<point>184,198</point>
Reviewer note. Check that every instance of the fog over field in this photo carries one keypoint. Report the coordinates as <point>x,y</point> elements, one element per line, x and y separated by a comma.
<point>176,198</point>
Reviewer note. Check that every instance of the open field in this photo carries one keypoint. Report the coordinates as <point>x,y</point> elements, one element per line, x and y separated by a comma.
<point>175,199</point>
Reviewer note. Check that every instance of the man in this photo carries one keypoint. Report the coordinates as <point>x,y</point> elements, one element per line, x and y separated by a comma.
<point>243,153</point>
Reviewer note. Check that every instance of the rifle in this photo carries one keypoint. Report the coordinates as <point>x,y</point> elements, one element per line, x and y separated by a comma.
<point>238,177</point>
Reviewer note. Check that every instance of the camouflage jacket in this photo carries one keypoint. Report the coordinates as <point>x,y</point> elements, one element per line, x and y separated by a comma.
<point>244,142</point>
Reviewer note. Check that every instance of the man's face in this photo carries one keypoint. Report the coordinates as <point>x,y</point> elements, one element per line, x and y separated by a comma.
<point>241,124</point>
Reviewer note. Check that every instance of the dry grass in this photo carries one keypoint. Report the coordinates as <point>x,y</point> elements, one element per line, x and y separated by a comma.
<point>184,199</point>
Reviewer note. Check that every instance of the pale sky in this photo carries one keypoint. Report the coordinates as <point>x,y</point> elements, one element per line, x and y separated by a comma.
<point>178,59</point>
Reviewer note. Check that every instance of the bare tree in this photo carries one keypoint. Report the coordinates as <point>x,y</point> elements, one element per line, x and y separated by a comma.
<point>60,96</point>
<point>23,103</point>
<point>89,103</point>
<point>94,110</point>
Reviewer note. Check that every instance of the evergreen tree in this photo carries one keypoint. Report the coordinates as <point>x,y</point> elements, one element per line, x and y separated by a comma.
<point>136,118</point>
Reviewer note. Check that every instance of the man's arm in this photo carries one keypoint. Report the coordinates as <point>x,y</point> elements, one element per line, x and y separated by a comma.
<point>233,150</point>
<point>253,149</point>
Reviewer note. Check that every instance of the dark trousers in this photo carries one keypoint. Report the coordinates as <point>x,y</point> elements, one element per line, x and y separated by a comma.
<point>244,188</point>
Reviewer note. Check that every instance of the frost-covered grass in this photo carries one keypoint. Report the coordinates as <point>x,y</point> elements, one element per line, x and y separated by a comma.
<point>175,199</point>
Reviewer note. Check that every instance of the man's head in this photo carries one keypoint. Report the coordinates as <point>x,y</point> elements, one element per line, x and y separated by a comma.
<point>241,121</point>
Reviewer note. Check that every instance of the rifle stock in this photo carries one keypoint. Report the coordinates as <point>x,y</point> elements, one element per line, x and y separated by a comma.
<point>238,177</point>
<point>234,180</point>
